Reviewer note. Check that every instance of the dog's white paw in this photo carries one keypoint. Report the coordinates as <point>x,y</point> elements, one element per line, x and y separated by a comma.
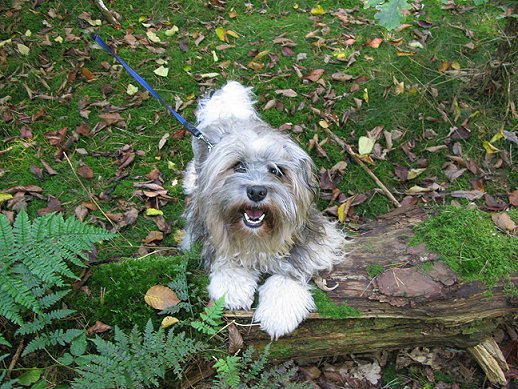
<point>283,304</point>
<point>238,285</point>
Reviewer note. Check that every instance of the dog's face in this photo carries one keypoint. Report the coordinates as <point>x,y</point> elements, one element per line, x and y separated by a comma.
<point>255,190</point>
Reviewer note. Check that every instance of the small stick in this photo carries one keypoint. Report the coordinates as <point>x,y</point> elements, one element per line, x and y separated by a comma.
<point>363,165</point>
<point>107,13</point>
<point>16,356</point>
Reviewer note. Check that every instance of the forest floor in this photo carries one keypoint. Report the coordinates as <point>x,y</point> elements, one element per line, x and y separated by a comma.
<point>421,106</point>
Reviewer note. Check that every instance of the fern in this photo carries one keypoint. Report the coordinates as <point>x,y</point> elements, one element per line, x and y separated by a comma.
<point>53,338</point>
<point>229,371</point>
<point>135,360</point>
<point>211,318</point>
<point>247,372</point>
<point>36,257</point>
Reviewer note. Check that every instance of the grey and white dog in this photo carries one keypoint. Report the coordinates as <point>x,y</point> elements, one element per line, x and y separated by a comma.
<point>252,208</point>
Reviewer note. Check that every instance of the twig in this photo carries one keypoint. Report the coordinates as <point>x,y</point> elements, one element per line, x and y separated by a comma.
<point>350,151</point>
<point>16,356</point>
<point>107,13</point>
<point>86,190</point>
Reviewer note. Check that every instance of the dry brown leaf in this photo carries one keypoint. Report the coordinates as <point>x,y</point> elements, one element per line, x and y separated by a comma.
<point>286,92</point>
<point>504,221</point>
<point>161,297</point>
<point>98,328</point>
<point>235,340</point>
<point>153,236</point>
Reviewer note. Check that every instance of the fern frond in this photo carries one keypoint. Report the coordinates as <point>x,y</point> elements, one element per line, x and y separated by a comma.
<point>54,338</point>
<point>36,257</point>
<point>18,292</point>
<point>135,360</point>
<point>42,321</point>
<point>52,298</point>
<point>4,342</point>
<point>211,318</point>
<point>6,243</point>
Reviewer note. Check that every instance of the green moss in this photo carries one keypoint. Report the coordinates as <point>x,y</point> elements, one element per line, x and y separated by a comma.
<point>467,240</point>
<point>118,289</point>
<point>375,270</point>
<point>329,309</point>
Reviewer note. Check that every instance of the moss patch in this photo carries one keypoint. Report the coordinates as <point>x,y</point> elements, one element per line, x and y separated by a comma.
<point>468,241</point>
<point>329,309</point>
<point>118,290</point>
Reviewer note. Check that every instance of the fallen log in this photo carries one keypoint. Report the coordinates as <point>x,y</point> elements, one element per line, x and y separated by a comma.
<point>416,301</point>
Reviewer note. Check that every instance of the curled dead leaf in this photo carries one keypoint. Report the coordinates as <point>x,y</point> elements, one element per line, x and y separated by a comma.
<point>168,321</point>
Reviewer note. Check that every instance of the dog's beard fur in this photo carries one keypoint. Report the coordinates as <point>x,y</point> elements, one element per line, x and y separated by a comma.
<point>242,235</point>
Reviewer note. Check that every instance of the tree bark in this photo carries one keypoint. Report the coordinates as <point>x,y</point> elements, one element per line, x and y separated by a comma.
<point>408,305</point>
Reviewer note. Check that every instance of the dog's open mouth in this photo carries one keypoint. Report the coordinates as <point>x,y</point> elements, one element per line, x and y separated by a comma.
<point>253,218</point>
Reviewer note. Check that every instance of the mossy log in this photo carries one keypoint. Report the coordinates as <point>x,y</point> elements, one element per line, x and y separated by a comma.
<point>416,301</point>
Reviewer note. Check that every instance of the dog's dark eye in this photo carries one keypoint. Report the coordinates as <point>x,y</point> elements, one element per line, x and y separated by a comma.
<point>240,167</point>
<point>276,171</point>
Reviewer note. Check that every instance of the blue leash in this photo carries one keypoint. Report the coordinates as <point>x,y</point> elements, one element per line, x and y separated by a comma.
<point>188,126</point>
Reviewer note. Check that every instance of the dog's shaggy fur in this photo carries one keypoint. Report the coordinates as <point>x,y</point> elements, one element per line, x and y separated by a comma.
<point>252,208</point>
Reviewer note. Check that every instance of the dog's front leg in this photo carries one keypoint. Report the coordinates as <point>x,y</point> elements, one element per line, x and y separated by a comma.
<point>237,284</point>
<point>283,303</point>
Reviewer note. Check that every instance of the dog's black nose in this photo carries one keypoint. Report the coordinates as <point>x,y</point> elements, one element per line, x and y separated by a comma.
<point>256,193</point>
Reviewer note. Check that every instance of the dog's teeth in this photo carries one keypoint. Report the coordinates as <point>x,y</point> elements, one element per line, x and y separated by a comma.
<point>254,221</point>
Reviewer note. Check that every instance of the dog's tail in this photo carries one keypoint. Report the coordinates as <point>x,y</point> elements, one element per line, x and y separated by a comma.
<point>233,102</point>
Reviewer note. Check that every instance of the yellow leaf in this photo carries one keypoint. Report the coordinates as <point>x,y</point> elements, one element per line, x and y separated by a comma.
<point>132,89</point>
<point>58,39</point>
<point>499,135</point>
<point>215,56</point>
<point>28,33</point>
<point>232,33</point>
<point>161,297</point>
<point>413,173</point>
<point>168,321</point>
<point>260,55</point>
<point>366,95</point>
<point>221,34</point>
<point>151,35</point>
<point>3,43</point>
<point>490,149</point>
<point>153,212</point>
<point>340,55</point>
<point>365,145</point>
<point>400,88</point>
<point>296,6</point>
<point>417,189</point>
<point>318,10</point>
<point>455,65</point>
<point>173,30</point>
<point>5,196</point>
<point>24,50</point>
<point>341,212</point>
<point>209,75</point>
<point>161,71</point>
<point>323,124</point>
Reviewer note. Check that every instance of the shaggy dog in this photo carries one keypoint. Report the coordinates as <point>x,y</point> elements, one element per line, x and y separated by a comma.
<point>253,211</point>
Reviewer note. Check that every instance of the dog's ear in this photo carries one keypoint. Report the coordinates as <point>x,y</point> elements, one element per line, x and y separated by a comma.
<point>200,152</point>
<point>305,181</point>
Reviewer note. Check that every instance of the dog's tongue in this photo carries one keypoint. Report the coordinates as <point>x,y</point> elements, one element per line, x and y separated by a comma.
<point>254,213</point>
